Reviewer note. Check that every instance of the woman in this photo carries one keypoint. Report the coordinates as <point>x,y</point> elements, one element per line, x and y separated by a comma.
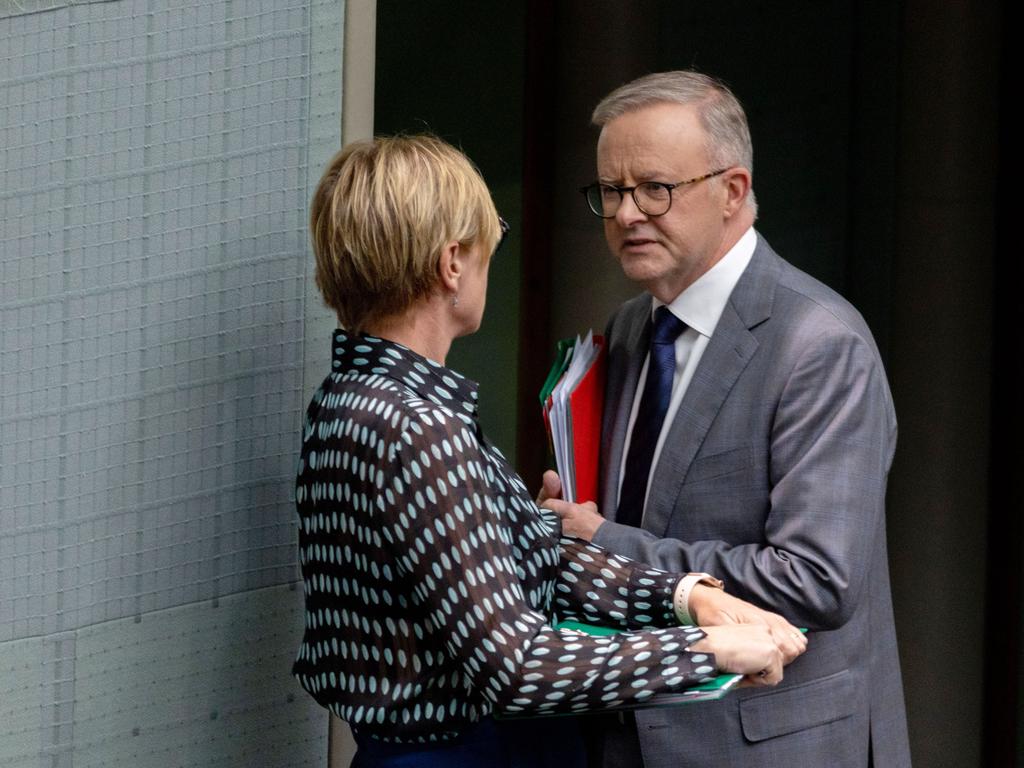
<point>431,576</point>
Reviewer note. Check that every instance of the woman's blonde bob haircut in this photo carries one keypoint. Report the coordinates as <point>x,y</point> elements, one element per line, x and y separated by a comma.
<point>381,216</point>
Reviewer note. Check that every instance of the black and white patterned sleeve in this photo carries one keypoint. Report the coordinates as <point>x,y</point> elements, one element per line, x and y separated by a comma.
<point>452,545</point>
<point>598,587</point>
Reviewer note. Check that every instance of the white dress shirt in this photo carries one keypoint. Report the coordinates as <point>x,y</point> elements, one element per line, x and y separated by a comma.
<point>700,306</point>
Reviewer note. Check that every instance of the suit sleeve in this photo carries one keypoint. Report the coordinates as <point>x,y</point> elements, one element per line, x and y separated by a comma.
<point>829,447</point>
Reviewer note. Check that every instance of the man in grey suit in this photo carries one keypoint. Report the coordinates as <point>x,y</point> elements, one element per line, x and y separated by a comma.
<point>748,433</point>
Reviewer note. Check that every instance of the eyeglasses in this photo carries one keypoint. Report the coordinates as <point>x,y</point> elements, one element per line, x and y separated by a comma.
<point>653,198</point>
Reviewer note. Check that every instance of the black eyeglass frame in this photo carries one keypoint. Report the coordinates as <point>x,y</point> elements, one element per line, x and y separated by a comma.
<point>632,192</point>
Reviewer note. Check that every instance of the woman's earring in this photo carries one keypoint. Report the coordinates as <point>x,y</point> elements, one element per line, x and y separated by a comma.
<point>455,300</point>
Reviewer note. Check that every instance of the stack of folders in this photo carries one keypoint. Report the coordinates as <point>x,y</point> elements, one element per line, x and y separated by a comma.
<point>573,400</point>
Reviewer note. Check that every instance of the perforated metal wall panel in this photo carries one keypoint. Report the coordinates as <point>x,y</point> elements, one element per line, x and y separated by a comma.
<point>156,161</point>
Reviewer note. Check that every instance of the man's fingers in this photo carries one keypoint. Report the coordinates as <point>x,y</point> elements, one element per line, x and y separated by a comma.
<point>557,506</point>
<point>550,487</point>
<point>579,520</point>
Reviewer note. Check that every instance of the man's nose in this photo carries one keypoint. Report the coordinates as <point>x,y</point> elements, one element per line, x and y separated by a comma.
<point>629,213</point>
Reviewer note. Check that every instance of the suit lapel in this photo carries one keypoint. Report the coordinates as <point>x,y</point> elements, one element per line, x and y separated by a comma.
<point>730,349</point>
<point>724,359</point>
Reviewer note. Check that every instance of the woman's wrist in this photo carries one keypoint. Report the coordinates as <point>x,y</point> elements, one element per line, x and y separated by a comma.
<point>693,590</point>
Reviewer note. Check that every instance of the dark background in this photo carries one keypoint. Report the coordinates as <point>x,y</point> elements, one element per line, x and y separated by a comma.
<point>882,167</point>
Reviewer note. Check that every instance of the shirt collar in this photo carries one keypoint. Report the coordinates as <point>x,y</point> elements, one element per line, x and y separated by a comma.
<point>701,305</point>
<point>363,355</point>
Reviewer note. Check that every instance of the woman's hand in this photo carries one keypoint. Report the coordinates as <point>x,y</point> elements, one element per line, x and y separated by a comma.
<point>710,606</point>
<point>579,520</point>
<point>746,649</point>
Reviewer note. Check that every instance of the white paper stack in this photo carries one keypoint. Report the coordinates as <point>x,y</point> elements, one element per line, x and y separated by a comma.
<point>581,357</point>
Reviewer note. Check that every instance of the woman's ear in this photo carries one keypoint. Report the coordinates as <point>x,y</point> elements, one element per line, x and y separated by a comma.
<point>450,266</point>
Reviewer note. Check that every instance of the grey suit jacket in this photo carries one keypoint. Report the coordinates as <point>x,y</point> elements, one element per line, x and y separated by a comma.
<point>773,477</point>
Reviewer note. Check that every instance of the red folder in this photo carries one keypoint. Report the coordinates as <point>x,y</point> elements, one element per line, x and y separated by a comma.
<point>586,407</point>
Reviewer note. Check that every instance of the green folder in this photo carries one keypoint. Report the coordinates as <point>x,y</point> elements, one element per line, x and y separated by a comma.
<point>562,358</point>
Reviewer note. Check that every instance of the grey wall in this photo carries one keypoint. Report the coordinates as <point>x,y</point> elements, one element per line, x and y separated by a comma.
<point>155,164</point>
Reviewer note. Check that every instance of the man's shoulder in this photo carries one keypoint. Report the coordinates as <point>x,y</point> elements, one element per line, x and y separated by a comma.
<point>812,322</point>
<point>798,297</point>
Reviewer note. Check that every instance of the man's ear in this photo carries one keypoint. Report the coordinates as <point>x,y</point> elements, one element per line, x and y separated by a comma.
<point>450,266</point>
<point>737,184</point>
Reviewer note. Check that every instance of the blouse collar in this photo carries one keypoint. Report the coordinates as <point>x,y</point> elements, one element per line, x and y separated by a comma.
<point>362,354</point>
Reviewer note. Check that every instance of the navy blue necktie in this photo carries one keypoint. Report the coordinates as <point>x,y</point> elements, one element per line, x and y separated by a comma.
<point>661,368</point>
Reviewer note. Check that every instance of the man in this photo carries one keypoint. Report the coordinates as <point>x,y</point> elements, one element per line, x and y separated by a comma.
<point>748,433</point>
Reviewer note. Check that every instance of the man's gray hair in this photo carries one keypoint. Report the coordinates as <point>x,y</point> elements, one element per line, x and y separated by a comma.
<point>720,113</point>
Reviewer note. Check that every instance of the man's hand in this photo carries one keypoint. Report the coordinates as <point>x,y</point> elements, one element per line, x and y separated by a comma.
<point>710,606</point>
<point>579,520</point>
<point>550,487</point>
<point>746,649</point>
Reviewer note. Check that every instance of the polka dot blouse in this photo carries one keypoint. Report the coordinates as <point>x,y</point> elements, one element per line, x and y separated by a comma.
<point>432,578</point>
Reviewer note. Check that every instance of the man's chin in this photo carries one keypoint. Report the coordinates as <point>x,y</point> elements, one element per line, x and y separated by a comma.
<point>641,268</point>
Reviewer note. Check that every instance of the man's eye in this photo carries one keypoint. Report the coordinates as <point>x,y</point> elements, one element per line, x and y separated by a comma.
<point>653,191</point>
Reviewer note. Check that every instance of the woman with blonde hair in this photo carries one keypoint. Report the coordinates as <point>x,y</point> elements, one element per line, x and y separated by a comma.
<point>432,579</point>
